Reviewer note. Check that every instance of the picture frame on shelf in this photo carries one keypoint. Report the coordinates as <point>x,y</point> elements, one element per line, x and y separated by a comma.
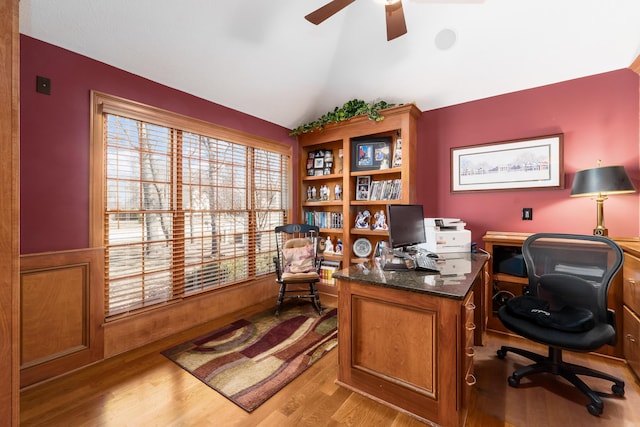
<point>370,153</point>
<point>318,163</point>
<point>363,183</point>
<point>397,154</point>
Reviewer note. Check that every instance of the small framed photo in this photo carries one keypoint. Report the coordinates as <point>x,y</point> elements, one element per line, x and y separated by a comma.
<point>362,187</point>
<point>309,164</point>
<point>318,163</point>
<point>327,171</point>
<point>397,154</point>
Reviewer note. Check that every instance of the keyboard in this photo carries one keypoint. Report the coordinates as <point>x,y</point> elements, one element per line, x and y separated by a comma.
<point>425,262</point>
<point>395,266</point>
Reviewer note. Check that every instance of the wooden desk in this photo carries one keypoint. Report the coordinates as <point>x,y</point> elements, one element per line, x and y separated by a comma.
<point>406,338</point>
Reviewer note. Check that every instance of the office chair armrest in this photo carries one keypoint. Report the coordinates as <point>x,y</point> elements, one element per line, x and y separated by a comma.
<point>611,317</point>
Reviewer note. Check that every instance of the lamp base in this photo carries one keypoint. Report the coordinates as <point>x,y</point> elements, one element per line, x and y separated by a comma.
<point>600,231</point>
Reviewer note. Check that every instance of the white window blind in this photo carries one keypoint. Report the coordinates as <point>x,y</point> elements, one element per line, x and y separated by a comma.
<point>185,213</point>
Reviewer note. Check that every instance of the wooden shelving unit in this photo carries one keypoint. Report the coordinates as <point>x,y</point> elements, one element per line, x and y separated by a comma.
<point>399,123</point>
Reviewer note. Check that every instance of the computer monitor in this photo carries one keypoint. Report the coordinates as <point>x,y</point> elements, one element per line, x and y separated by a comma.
<point>406,225</point>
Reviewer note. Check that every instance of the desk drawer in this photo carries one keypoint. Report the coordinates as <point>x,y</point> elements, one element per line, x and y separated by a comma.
<point>631,285</point>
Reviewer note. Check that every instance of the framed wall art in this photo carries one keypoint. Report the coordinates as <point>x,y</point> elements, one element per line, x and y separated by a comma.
<point>517,164</point>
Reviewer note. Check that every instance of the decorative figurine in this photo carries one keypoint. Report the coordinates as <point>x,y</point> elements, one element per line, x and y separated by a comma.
<point>309,193</point>
<point>328,245</point>
<point>337,191</point>
<point>381,221</point>
<point>314,193</point>
<point>339,247</point>
<point>384,164</point>
<point>362,219</point>
<point>324,193</point>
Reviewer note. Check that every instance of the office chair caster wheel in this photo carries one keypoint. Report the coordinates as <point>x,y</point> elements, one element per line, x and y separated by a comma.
<point>618,390</point>
<point>594,409</point>
<point>513,381</point>
<point>501,354</point>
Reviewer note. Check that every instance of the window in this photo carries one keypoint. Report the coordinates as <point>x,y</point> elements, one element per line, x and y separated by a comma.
<point>187,207</point>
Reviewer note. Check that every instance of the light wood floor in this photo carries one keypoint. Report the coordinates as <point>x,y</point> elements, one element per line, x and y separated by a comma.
<point>143,388</point>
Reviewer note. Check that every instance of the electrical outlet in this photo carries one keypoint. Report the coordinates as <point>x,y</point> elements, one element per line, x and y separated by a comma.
<point>43,85</point>
<point>527,214</point>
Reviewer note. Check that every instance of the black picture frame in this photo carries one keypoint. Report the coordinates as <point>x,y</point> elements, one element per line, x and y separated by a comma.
<point>362,187</point>
<point>370,153</point>
<point>500,165</point>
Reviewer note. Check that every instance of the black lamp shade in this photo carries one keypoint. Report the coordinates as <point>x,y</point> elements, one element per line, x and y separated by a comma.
<point>605,180</point>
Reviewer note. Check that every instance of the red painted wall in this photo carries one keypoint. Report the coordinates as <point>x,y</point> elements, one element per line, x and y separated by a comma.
<point>54,137</point>
<point>599,117</point>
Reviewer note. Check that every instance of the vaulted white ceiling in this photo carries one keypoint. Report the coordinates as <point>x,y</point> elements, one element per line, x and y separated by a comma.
<point>263,58</point>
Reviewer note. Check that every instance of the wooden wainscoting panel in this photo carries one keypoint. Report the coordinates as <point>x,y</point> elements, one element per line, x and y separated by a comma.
<point>62,312</point>
<point>54,305</point>
<point>131,332</point>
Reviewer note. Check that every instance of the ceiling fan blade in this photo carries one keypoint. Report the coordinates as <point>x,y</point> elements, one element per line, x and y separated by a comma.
<point>327,11</point>
<point>396,25</point>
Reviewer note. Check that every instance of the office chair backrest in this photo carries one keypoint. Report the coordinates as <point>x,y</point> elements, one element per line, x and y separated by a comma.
<point>574,270</point>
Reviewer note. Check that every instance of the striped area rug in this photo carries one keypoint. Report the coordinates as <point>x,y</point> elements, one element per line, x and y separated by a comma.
<point>251,359</point>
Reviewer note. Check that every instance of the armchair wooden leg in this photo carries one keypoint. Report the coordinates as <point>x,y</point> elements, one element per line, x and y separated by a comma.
<point>281,293</point>
<point>316,297</point>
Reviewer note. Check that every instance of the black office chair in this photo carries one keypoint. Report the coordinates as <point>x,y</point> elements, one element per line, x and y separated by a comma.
<point>565,307</point>
<point>298,262</point>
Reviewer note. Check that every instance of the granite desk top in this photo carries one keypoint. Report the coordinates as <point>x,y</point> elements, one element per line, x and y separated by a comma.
<point>458,271</point>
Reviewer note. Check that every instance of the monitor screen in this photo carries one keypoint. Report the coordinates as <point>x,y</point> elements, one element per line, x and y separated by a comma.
<point>406,225</point>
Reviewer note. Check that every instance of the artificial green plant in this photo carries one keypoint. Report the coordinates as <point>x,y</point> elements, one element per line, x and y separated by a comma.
<point>355,107</point>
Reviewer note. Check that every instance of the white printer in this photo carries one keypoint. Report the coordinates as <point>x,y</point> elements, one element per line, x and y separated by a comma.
<point>446,235</point>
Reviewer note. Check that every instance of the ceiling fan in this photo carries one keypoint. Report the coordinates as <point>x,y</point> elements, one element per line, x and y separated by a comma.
<point>396,25</point>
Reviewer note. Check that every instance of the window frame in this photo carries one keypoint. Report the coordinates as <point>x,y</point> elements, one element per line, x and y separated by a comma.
<point>101,104</point>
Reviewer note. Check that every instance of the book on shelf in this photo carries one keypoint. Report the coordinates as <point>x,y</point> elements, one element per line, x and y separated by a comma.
<point>390,189</point>
<point>327,269</point>
<point>324,219</point>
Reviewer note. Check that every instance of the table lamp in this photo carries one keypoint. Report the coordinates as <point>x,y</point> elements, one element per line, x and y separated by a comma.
<point>601,182</point>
